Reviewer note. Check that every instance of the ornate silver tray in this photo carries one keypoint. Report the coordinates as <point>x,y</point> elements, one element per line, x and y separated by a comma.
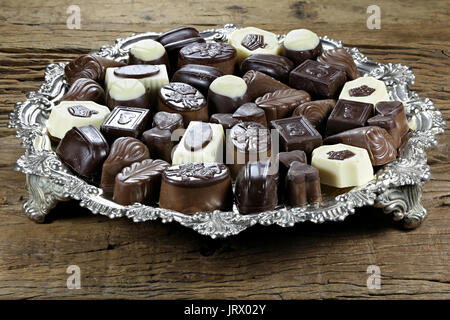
<point>396,188</point>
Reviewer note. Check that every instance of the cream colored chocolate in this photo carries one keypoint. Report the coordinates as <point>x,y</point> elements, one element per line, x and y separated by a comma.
<point>301,39</point>
<point>229,86</point>
<point>379,94</point>
<point>270,45</point>
<point>211,152</point>
<point>148,50</point>
<point>69,114</point>
<point>354,170</point>
<point>126,89</point>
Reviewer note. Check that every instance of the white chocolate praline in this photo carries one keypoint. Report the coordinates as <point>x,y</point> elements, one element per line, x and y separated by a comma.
<point>229,86</point>
<point>272,45</point>
<point>212,152</point>
<point>61,120</point>
<point>301,39</point>
<point>152,84</point>
<point>353,171</point>
<point>380,93</point>
<point>148,50</point>
<point>126,89</point>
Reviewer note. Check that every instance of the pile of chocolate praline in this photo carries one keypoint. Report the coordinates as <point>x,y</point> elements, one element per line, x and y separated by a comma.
<point>184,118</point>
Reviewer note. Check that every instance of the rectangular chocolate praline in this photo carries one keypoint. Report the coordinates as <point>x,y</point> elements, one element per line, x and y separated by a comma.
<point>125,122</point>
<point>348,115</point>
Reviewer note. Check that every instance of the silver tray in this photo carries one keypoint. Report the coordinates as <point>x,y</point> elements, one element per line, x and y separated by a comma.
<point>396,188</point>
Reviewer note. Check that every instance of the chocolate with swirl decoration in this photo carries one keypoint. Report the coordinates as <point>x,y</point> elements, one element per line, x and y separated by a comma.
<point>377,141</point>
<point>85,89</point>
<point>89,66</point>
<point>124,152</point>
<point>315,111</point>
<point>340,59</point>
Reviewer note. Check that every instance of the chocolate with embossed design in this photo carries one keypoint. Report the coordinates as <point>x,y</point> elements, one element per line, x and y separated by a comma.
<point>136,71</point>
<point>259,84</point>
<point>215,54</point>
<point>196,187</point>
<point>89,66</point>
<point>316,112</point>
<point>124,152</point>
<point>340,59</point>
<point>83,149</point>
<point>184,99</point>
<point>125,122</point>
<point>281,103</point>
<point>347,115</point>
<point>256,188</point>
<point>278,67</point>
<point>250,112</point>
<point>198,76</point>
<point>168,120</point>
<point>320,80</point>
<point>85,89</point>
<point>139,183</point>
<point>377,141</point>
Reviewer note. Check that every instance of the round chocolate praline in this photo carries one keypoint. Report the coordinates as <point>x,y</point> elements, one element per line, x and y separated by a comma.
<point>127,92</point>
<point>148,52</point>
<point>301,45</point>
<point>216,54</point>
<point>226,94</point>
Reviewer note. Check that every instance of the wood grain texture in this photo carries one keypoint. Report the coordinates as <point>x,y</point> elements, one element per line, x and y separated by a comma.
<point>121,259</point>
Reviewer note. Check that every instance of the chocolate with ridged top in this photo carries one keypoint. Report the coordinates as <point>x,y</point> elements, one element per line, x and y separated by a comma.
<point>85,89</point>
<point>377,141</point>
<point>256,188</point>
<point>303,185</point>
<point>89,66</point>
<point>250,112</point>
<point>340,59</point>
<point>125,122</point>
<point>216,54</point>
<point>198,76</point>
<point>278,67</point>
<point>139,183</point>
<point>259,84</point>
<point>316,112</point>
<point>196,187</point>
<point>124,152</point>
<point>83,149</point>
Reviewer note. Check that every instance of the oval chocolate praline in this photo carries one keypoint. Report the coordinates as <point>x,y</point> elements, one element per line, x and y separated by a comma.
<point>197,75</point>
<point>198,136</point>
<point>136,71</point>
<point>278,67</point>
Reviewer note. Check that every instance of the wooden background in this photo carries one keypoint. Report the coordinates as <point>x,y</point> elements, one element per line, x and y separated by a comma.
<point>121,259</point>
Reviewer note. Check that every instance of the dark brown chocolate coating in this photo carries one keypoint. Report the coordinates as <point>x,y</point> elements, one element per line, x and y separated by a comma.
<point>125,122</point>
<point>299,56</point>
<point>83,149</point>
<point>198,76</point>
<point>281,103</point>
<point>316,112</point>
<point>216,54</point>
<point>139,183</point>
<point>124,152</point>
<point>320,80</point>
<point>136,71</point>
<point>164,59</point>
<point>285,159</point>
<point>278,67</point>
<point>85,89</point>
<point>218,103</point>
<point>184,99</point>
<point>89,66</point>
<point>347,115</point>
<point>250,112</point>
<point>256,188</point>
<point>225,119</point>
<point>196,187</point>
<point>160,142</point>
<point>303,185</point>
<point>377,141</point>
<point>297,133</point>
<point>139,102</point>
<point>258,84</point>
<point>340,59</point>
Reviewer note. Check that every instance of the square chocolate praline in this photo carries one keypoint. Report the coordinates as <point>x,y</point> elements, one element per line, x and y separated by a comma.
<point>318,79</point>
<point>348,115</point>
<point>297,133</point>
<point>125,122</point>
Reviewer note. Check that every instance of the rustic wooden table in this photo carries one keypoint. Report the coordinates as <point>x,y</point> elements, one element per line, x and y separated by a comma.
<point>121,259</point>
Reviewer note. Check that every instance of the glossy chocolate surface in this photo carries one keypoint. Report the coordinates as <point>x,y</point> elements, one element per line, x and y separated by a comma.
<point>83,149</point>
<point>297,133</point>
<point>258,84</point>
<point>281,103</point>
<point>256,188</point>
<point>316,112</point>
<point>320,80</point>
<point>85,89</point>
<point>285,159</point>
<point>125,121</point>
<point>137,71</point>
<point>225,119</point>
<point>253,42</point>
<point>340,59</point>
<point>303,185</point>
<point>138,102</point>
<point>168,121</point>
<point>347,115</point>
<point>124,152</point>
<point>159,141</point>
<point>377,141</point>
<point>218,103</point>
<point>198,76</point>
<point>278,67</point>
<point>198,136</point>
<point>140,182</point>
<point>164,59</point>
<point>250,112</point>
<point>300,56</point>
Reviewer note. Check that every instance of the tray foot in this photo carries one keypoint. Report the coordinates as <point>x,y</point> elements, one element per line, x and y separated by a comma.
<point>43,196</point>
<point>404,203</point>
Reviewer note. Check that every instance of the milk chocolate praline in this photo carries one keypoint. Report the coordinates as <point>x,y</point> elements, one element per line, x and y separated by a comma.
<point>85,89</point>
<point>259,84</point>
